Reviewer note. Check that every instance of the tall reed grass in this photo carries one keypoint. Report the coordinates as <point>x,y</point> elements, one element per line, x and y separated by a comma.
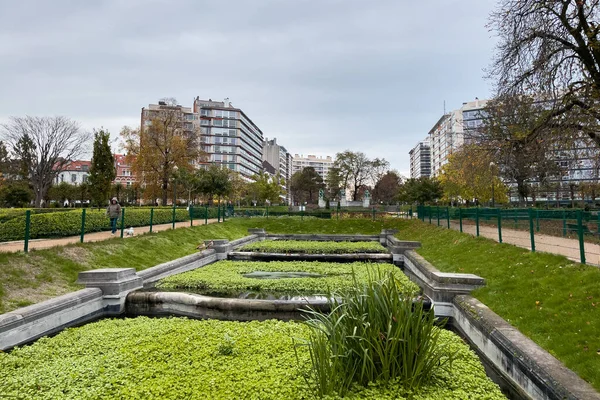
<point>374,332</point>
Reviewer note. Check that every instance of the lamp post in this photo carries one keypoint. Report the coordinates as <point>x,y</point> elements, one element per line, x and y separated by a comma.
<point>492,165</point>
<point>175,168</point>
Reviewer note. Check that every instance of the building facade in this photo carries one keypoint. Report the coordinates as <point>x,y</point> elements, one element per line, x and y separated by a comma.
<point>448,134</point>
<point>228,136</point>
<point>124,173</point>
<point>278,156</point>
<point>420,160</point>
<point>320,164</point>
<point>74,173</point>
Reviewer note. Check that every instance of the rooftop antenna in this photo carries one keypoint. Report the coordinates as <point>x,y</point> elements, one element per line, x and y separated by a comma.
<point>444,107</point>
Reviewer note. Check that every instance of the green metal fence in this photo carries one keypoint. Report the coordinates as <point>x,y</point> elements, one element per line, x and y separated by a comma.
<point>29,224</point>
<point>580,225</point>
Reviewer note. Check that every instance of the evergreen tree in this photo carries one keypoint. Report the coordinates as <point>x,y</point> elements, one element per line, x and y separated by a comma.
<point>102,172</point>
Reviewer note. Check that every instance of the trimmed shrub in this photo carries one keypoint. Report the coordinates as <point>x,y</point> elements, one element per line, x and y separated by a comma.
<point>68,223</point>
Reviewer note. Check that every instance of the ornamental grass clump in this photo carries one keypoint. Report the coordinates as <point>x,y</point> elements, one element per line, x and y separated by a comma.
<point>374,333</point>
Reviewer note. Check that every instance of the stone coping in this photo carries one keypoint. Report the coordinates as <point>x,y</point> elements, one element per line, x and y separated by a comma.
<point>324,237</point>
<point>25,315</point>
<point>432,273</point>
<point>521,357</point>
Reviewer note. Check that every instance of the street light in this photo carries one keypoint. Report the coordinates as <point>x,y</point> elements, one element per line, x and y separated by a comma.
<point>492,165</point>
<point>175,168</point>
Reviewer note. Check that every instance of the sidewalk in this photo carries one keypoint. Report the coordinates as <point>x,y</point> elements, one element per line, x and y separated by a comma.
<point>543,243</point>
<point>38,244</point>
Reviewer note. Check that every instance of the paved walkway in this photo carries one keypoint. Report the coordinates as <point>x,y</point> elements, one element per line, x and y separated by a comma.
<point>543,243</point>
<point>38,244</point>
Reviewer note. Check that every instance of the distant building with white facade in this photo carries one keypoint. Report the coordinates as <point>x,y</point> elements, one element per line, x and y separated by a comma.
<point>447,135</point>
<point>74,173</point>
<point>320,164</point>
<point>420,160</point>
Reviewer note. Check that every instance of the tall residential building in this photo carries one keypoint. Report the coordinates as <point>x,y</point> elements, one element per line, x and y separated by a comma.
<point>320,164</point>
<point>278,156</point>
<point>228,136</point>
<point>447,135</point>
<point>420,160</point>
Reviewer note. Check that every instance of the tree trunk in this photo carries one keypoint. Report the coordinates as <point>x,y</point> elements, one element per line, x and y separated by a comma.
<point>522,191</point>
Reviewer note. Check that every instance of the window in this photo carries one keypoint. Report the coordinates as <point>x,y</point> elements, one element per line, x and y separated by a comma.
<point>204,122</point>
<point>218,122</point>
<point>85,178</point>
<point>73,178</point>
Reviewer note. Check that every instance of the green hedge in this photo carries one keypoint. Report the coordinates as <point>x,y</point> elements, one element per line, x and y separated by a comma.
<point>68,223</point>
<point>177,358</point>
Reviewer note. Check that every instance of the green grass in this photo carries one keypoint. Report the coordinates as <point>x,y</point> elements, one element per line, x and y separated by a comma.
<point>176,358</point>
<point>314,247</point>
<point>226,277</point>
<point>42,274</point>
<point>565,322</point>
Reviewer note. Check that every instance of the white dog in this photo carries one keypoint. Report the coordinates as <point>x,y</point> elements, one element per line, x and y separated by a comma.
<point>130,231</point>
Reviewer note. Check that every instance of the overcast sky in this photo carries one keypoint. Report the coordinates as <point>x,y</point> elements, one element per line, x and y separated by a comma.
<point>321,76</point>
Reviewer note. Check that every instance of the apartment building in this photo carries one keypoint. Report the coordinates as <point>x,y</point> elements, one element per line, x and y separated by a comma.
<point>228,136</point>
<point>320,164</point>
<point>277,156</point>
<point>448,133</point>
<point>420,160</point>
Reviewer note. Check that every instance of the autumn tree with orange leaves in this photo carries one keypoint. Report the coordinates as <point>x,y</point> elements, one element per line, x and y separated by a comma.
<point>161,148</point>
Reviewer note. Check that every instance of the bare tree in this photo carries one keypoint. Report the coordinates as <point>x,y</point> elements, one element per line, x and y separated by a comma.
<point>354,170</point>
<point>551,47</point>
<point>54,142</point>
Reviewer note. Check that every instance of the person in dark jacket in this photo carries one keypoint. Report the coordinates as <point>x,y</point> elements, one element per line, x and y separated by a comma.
<point>113,211</point>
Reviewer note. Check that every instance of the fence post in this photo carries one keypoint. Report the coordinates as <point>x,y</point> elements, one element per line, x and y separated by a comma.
<point>477,220</point>
<point>565,222</point>
<point>580,234</point>
<point>224,212</point>
<point>438,214</point>
<point>122,221</point>
<point>460,218</point>
<point>27,224</point>
<point>218,213</point>
<point>82,225</point>
<point>429,212</point>
<point>173,217</point>
<point>191,210</point>
<point>410,212</point>
<point>531,233</point>
<point>499,225</point>
<point>448,216</point>
<point>537,220</point>
<point>206,214</point>
<point>151,218</point>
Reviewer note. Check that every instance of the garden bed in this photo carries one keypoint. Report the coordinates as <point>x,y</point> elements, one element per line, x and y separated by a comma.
<point>226,278</point>
<point>178,358</point>
<point>313,247</point>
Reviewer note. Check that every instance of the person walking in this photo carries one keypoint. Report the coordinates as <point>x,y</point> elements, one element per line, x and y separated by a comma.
<point>113,211</point>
